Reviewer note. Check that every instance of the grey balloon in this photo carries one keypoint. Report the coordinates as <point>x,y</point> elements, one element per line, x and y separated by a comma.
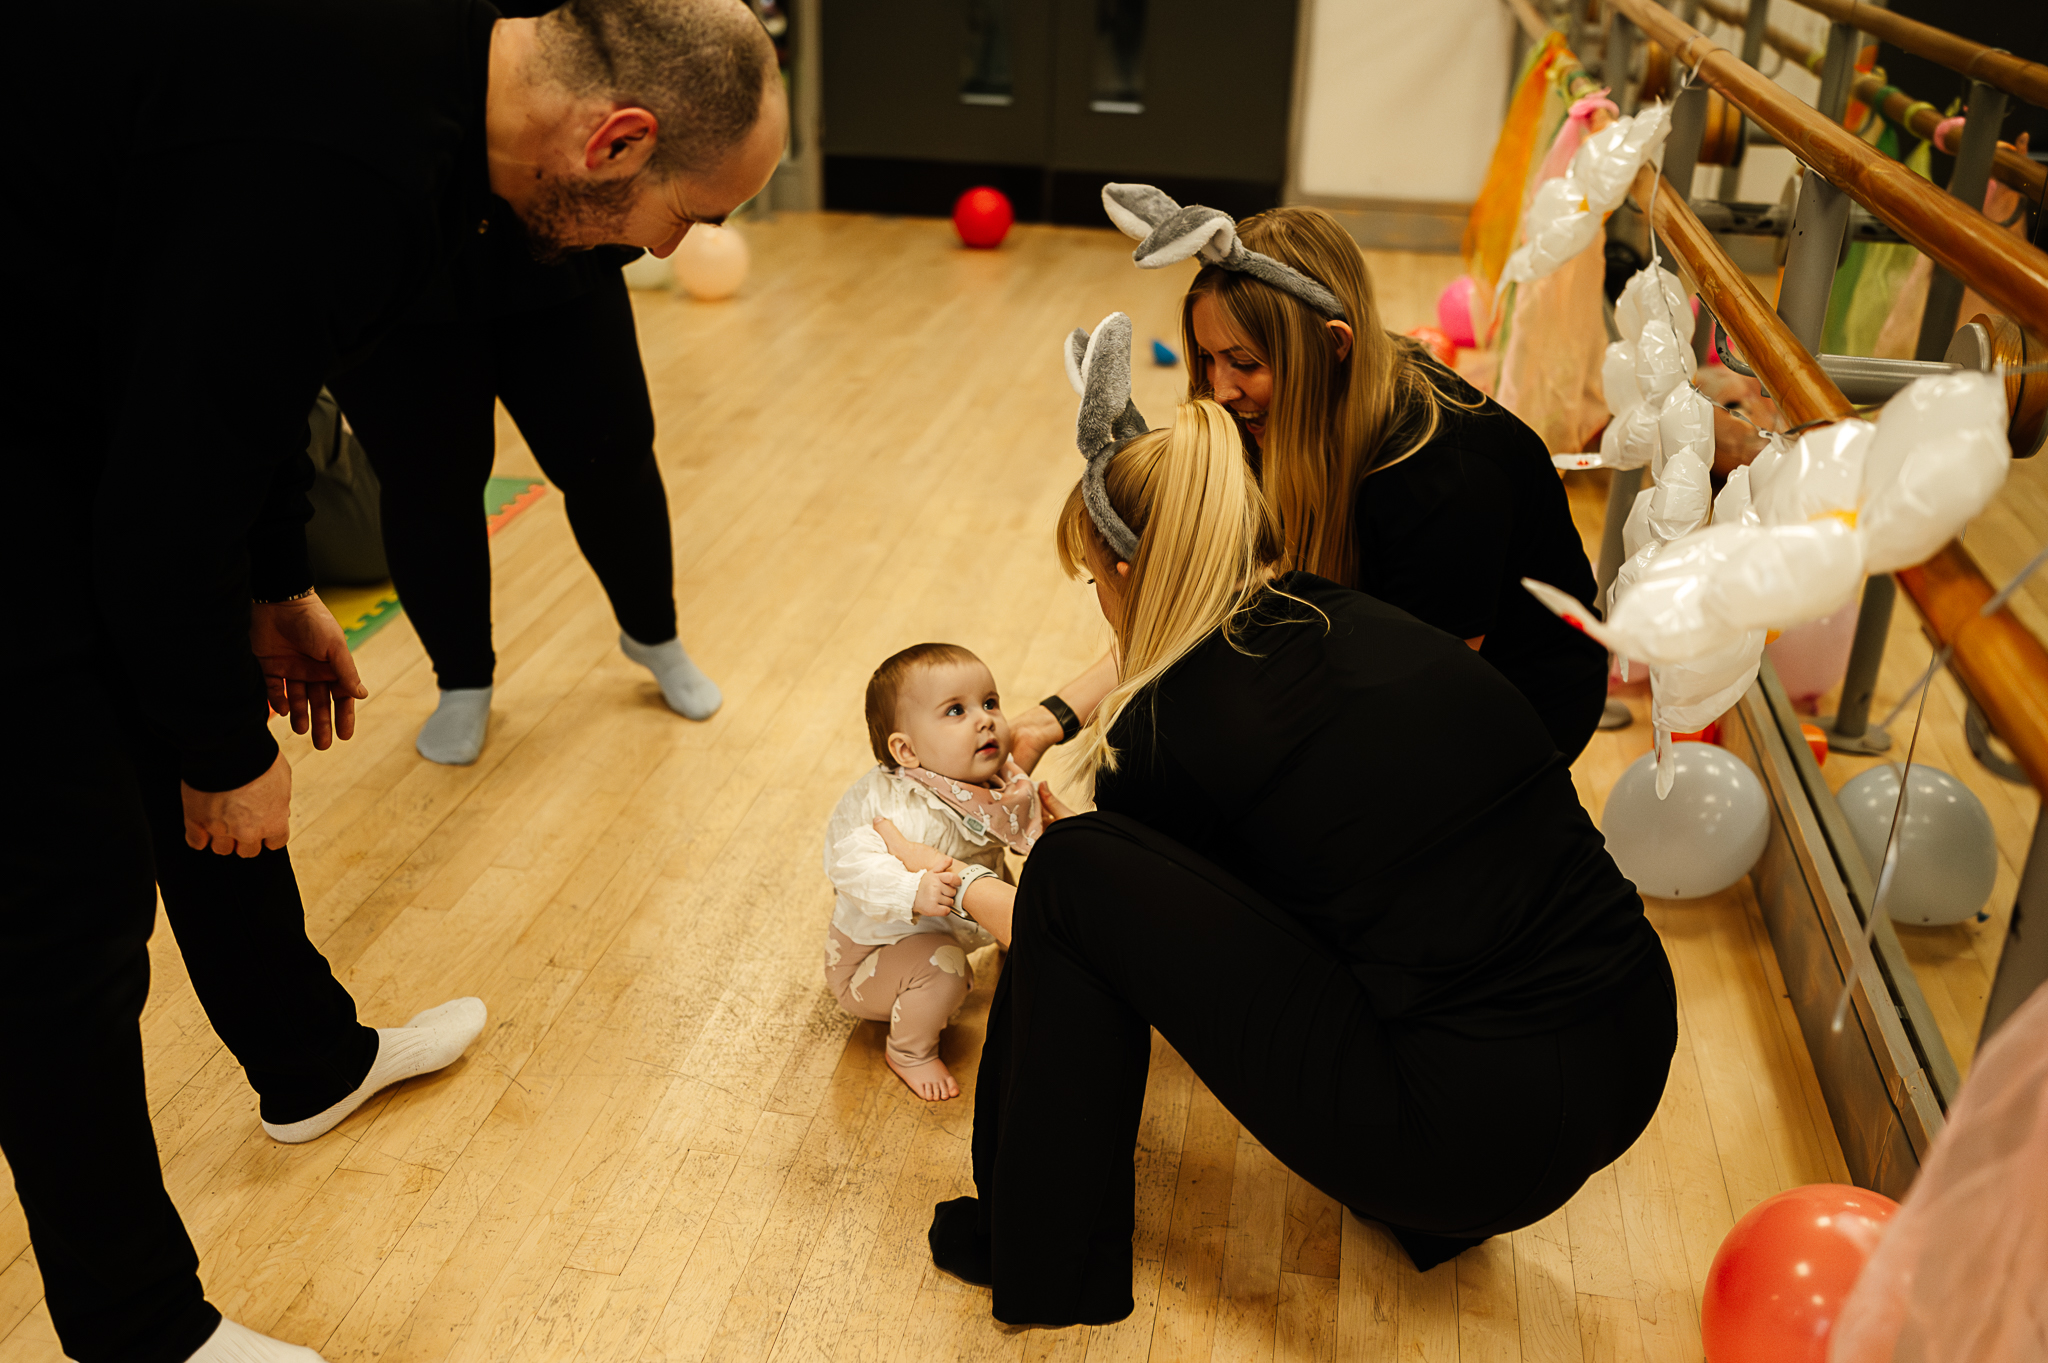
<point>1699,840</point>
<point>1948,853</point>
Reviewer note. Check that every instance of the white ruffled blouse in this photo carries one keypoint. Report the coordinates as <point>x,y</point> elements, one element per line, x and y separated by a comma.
<point>873,906</point>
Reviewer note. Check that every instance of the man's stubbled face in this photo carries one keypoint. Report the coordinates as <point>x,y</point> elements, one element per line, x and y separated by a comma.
<point>567,216</point>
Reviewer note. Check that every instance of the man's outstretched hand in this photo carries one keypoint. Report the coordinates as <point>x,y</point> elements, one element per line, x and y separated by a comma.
<point>307,670</point>
<point>244,820</point>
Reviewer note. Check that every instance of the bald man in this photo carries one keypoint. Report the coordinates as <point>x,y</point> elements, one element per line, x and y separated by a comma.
<point>555,344</point>
<point>229,204</point>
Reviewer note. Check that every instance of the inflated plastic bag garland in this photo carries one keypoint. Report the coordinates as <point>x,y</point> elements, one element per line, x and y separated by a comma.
<point>1705,579</point>
<point>1566,213</point>
<point>1790,538</point>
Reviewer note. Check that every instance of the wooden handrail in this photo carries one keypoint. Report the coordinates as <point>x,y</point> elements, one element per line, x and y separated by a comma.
<point>1916,116</point>
<point>2002,664</point>
<point>2014,75</point>
<point>2012,274</point>
<point>1794,379</point>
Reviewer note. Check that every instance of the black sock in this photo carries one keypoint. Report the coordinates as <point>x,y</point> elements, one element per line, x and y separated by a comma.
<point>1426,1251</point>
<point>958,1245</point>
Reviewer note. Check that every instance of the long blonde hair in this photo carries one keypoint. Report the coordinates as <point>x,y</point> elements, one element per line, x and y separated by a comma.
<point>1331,422</point>
<point>1206,538</point>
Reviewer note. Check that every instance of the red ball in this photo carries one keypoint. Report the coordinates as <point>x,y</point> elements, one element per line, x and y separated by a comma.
<point>1779,1280</point>
<point>982,217</point>
<point>1436,343</point>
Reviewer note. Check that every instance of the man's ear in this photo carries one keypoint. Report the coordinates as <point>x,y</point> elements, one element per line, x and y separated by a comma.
<point>624,140</point>
<point>900,749</point>
<point>1342,331</point>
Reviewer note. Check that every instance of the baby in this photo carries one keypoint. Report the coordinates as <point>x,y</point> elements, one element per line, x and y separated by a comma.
<point>896,949</point>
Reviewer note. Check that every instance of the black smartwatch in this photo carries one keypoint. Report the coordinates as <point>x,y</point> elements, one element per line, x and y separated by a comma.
<point>1070,723</point>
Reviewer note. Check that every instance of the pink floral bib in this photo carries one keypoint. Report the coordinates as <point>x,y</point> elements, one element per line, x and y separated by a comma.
<point>1008,813</point>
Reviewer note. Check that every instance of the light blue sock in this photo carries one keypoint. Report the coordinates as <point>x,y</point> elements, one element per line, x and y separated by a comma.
<point>688,692</point>
<point>454,734</point>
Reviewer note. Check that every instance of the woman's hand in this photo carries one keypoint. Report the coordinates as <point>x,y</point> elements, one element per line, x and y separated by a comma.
<point>935,894</point>
<point>1035,732</point>
<point>307,670</point>
<point>1032,735</point>
<point>915,856</point>
<point>244,820</point>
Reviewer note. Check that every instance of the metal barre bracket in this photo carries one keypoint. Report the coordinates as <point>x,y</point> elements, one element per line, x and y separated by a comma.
<point>1771,220</point>
<point>1861,378</point>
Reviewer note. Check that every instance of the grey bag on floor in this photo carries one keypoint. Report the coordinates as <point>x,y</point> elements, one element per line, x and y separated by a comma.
<point>345,538</point>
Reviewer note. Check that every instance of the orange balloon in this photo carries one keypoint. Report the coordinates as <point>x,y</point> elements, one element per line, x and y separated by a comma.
<point>1781,1275</point>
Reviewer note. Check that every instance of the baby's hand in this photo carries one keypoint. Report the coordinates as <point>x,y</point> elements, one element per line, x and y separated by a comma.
<point>935,892</point>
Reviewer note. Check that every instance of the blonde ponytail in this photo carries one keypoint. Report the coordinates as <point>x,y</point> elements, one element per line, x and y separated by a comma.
<point>1206,546</point>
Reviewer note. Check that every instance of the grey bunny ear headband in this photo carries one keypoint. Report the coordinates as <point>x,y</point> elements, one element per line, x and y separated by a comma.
<point>1166,234</point>
<point>1099,367</point>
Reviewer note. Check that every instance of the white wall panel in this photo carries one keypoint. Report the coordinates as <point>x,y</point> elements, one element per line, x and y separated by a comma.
<point>1403,98</point>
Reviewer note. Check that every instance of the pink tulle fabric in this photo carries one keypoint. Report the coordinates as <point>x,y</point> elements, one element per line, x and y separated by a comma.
<point>1550,368</point>
<point>1962,1274</point>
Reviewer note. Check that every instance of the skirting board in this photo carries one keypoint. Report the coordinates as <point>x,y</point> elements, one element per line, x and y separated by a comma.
<point>1884,1109</point>
<point>1397,224</point>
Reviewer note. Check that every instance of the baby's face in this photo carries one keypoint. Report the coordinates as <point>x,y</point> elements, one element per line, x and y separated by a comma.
<point>949,720</point>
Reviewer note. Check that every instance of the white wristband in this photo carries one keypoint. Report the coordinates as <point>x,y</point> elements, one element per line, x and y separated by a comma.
<point>967,877</point>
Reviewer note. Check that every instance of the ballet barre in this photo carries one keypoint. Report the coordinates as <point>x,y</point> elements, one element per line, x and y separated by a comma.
<point>1916,116</point>
<point>1978,61</point>
<point>2013,275</point>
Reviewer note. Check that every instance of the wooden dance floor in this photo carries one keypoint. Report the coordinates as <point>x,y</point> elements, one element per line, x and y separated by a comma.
<point>670,1144</point>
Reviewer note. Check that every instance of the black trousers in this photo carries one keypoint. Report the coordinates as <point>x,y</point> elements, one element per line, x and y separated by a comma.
<point>424,406</point>
<point>1444,1138</point>
<point>80,864</point>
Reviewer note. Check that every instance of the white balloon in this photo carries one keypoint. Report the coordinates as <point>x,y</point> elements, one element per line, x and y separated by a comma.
<point>650,272</point>
<point>1948,853</point>
<point>1702,839</point>
<point>711,263</point>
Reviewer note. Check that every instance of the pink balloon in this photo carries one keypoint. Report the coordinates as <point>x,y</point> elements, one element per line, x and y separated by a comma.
<point>1454,311</point>
<point>1812,657</point>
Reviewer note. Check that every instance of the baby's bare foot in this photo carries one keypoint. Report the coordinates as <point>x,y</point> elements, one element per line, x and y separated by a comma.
<point>931,1081</point>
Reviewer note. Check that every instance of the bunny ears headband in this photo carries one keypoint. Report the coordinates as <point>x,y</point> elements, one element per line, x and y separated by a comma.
<point>1099,367</point>
<point>1167,234</point>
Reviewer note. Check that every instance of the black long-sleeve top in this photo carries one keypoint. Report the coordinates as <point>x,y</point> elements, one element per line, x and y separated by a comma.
<point>1334,764</point>
<point>260,191</point>
<point>1449,533</point>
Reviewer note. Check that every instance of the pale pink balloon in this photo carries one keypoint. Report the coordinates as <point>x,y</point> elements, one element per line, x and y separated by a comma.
<point>711,263</point>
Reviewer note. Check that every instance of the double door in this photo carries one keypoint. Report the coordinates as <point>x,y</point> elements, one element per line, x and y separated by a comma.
<point>1047,99</point>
